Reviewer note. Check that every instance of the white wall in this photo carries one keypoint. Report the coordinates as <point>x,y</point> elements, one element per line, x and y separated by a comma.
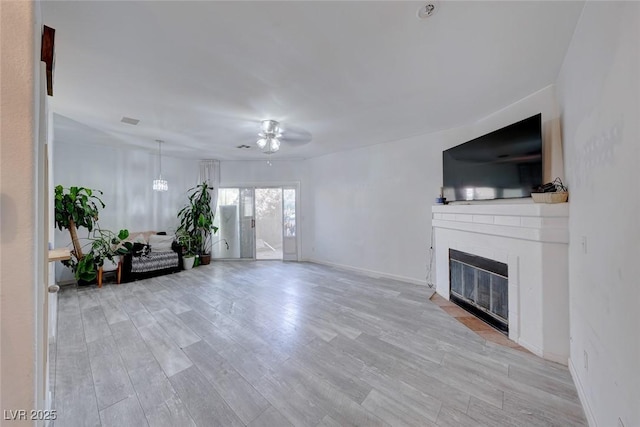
<point>371,207</point>
<point>22,245</point>
<point>125,176</point>
<point>247,172</point>
<point>599,93</point>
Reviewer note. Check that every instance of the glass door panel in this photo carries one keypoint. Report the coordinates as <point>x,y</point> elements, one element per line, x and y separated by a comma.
<point>247,223</point>
<point>234,215</point>
<point>268,223</point>
<point>227,221</point>
<point>289,234</point>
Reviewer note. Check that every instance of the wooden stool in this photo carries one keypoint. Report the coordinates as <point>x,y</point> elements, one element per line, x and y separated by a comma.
<point>118,271</point>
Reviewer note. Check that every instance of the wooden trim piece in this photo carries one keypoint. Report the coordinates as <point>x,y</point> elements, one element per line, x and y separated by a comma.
<point>47,55</point>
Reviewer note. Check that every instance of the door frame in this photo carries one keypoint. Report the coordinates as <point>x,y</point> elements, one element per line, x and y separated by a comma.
<point>274,184</point>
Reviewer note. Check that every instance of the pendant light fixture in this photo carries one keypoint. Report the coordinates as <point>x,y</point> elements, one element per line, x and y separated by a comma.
<point>160,184</point>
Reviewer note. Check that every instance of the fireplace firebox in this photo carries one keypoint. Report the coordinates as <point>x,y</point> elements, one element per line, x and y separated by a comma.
<point>480,286</point>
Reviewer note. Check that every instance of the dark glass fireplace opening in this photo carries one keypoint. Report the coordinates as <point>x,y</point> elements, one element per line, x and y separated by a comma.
<point>480,286</point>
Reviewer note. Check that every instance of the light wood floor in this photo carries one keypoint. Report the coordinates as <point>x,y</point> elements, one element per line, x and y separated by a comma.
<point>278,344</point>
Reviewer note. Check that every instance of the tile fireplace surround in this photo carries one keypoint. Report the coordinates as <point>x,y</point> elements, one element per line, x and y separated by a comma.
<point>532,239</point>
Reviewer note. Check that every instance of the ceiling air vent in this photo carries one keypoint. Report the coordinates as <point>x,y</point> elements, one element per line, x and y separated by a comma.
<point>130,121</point>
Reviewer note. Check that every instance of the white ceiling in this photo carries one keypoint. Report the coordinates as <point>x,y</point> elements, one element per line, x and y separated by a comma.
<point>201,75</point>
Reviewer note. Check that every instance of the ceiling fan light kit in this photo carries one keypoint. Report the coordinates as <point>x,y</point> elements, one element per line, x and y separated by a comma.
<point>269,140</point>
<point>270,127</point>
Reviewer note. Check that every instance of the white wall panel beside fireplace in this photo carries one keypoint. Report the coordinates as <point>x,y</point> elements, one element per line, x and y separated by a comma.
<point>532,239</point>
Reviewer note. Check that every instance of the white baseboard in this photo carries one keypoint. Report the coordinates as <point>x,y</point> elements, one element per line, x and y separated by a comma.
<point>372,273</point>
<point>532,348</point>
<point>582,396</point>
<point>554,357</point>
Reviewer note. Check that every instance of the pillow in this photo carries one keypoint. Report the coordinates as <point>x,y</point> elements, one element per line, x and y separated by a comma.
<point>140,249</point>
<point>138,238</point>
<point>160,243</point>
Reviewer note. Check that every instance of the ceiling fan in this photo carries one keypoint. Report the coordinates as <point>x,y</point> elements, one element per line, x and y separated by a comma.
<point>272,134</point>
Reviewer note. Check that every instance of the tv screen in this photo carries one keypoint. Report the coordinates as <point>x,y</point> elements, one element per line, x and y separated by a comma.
<point>503,164</point>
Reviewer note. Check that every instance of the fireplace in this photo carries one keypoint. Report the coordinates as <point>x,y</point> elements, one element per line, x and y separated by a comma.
<point>531,240</point>
<point>480,286</point>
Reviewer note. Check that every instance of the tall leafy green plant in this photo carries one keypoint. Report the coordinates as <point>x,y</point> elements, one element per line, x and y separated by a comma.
<point>76,207</point>
<point>196,218</point>
<point>79,207</point>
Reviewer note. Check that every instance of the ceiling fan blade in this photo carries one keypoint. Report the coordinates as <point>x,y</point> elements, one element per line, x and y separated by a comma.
<point>249,130</point>
<point>295,135</point>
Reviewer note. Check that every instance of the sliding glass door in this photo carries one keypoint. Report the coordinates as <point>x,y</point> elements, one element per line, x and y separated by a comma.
<point>256,223</point>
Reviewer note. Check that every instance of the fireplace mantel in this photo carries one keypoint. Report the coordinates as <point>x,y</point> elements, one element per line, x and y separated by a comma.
<point>532,239</point>
<point>531,221</point>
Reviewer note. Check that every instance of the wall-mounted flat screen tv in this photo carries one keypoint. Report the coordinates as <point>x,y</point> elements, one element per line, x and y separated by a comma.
<point>503,164</point>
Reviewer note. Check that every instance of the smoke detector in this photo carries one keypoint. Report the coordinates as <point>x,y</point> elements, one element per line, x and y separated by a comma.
<point>427,10</point>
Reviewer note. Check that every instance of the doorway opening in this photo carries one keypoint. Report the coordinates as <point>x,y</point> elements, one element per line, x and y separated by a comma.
<point>257,222</point>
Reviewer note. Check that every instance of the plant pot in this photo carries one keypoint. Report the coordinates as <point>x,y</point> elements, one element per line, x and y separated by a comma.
<point>187,262</point>
<point>205,259</point>
<point>87,282</point>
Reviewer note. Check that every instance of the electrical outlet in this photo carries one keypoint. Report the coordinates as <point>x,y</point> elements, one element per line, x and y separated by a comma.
<point>586,360</point>
<point>583,241</point>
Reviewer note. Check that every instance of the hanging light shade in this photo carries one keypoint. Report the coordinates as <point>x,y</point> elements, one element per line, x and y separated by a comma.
<point>274,144</point>
<point>269,141</point>
<point>160,184</point>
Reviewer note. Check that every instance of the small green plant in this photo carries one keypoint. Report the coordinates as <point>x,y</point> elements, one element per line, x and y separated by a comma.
<point>187,242</point>
<point>104,244</point>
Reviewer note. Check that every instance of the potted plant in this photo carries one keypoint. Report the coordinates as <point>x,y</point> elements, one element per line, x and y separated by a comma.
<point>186,241</point>
<point>104,245</point>
<point>108,246</point>
<point>78,207</point>
<point>196,220</point>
